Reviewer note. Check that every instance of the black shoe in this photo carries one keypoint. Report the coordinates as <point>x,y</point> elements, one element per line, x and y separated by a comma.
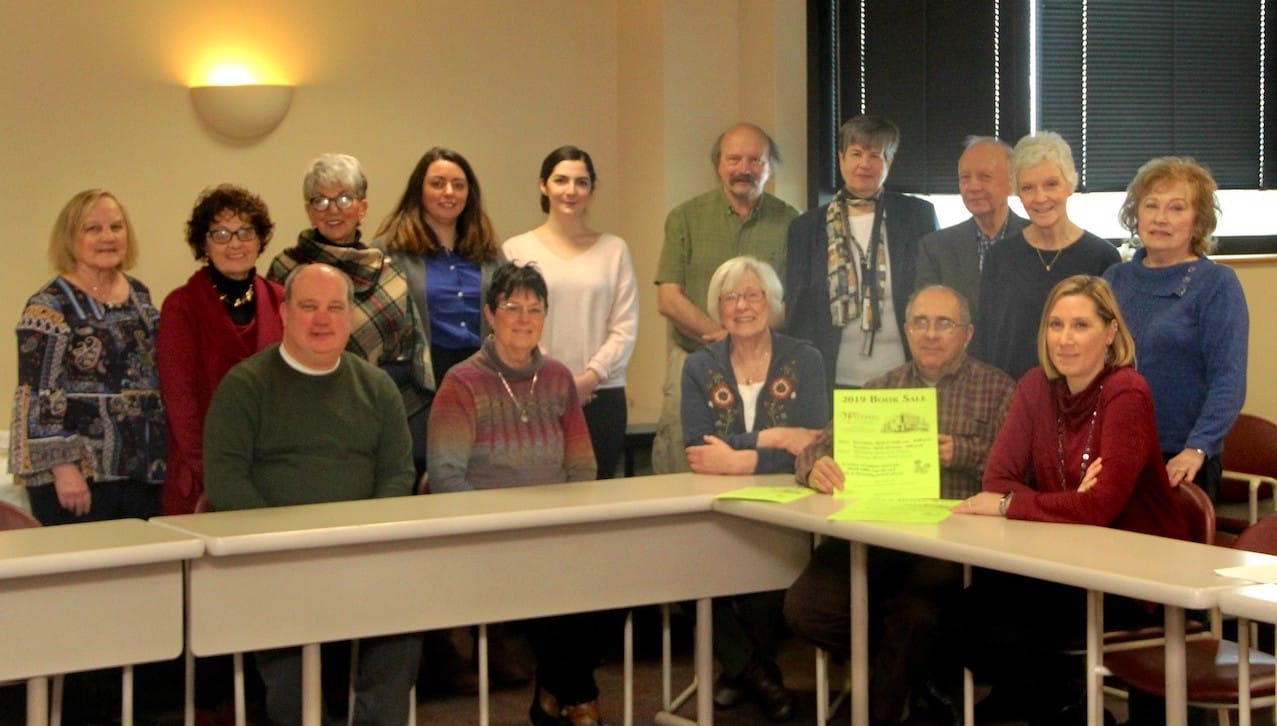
<point>939,706</point>
<point>544,710</point>
<point>764,683</point>
<point>728,691</point>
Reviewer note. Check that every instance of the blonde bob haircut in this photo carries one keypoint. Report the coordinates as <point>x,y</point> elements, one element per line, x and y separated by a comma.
<point>1121,351</point>
<point>728,276</point>
<point>69,224</point>
<point>1200,184</point>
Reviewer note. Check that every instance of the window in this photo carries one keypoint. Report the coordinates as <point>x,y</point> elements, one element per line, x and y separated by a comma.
<point>1122,80</point>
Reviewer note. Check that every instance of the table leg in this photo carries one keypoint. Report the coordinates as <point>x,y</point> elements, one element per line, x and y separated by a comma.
<point>241,708</point>
<point>628,718</point>
<point>705,661</point>
<point>38,701</point>
<point>188,688</point>
<point>1094,656</point>
<point>312,693</point>
<point>484,683</point>
<point>126,696</point>
<point>1176,685</point>
<point>859,635</point>
<point>1243,672</point>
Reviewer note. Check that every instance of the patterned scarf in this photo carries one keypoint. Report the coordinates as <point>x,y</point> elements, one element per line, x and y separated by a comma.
<point>852,280</point>
<point>387,328</point>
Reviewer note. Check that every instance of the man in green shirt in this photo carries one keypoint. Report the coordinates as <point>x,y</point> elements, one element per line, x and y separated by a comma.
<point>736,218</point>
<point>306,422</point>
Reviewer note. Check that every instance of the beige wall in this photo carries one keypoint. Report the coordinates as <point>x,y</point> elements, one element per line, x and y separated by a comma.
<point>95,95</point>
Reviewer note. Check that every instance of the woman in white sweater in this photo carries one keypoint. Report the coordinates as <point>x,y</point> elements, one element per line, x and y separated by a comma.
<point>593,323</point>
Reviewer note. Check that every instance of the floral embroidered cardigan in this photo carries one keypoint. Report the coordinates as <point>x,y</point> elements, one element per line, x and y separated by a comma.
<point>794,395</point>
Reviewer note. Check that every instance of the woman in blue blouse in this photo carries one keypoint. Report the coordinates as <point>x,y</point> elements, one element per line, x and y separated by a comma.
<point>88,427</point>
<point>751,403</point>
<point>442,240</point>
<point>1188,316</point>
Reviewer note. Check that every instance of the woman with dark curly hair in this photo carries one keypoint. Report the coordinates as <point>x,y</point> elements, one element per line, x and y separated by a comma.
<point>224,313</point>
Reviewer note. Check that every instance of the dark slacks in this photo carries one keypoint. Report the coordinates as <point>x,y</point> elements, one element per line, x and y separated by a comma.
<point>387,670</point>
<point>606,418</point>
<point>908,595</point>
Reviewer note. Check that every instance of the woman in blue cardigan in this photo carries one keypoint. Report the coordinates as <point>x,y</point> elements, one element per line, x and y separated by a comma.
<point>751,402</point>
<point>1187,314</point>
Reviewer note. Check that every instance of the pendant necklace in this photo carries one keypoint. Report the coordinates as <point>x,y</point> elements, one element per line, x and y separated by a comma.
<point>1090,435</point>
<point>1042,259</point>
<point>523,410</point>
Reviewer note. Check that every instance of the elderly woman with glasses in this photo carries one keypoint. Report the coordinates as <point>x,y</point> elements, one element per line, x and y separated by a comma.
<point>509,416</point>
<point>751,403</point>
<point>224,313</point>
<point>387,328</point>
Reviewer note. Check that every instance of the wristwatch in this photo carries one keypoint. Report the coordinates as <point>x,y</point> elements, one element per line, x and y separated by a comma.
<point>1005,502</point>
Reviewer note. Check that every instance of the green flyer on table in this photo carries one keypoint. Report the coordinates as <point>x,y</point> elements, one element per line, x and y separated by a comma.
<point>885,441</point>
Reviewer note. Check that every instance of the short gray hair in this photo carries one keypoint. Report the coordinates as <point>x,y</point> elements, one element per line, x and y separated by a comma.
<point>340,169</point>
<point>872,132</point>
<point>1043,146</point>
<point>729,274</point>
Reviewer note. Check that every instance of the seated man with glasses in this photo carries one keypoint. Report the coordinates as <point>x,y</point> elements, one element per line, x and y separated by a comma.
<point>387,328</point>
<point>908,591</point>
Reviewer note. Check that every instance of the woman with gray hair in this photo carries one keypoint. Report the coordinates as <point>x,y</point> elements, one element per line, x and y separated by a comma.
<point>751,402</point>
<point>386,329</point>
<point>1019,271</point>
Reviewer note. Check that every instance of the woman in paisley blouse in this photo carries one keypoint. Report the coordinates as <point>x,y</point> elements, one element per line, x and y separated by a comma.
<point>751,403</point>
<point>88,427</point>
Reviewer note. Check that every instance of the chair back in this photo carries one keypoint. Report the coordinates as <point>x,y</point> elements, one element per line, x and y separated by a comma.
<point>13,517</point>
<point>1259,537</point>
<point>1250,447</point>
<point>1198,510</point>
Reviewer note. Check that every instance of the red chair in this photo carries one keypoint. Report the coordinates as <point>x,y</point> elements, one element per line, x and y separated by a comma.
<point>1212,682</point>
<point>13,517</point>
<point>1250,464</point>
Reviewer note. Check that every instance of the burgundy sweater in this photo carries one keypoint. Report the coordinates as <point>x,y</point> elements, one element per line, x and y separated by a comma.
<point>1113,419</point>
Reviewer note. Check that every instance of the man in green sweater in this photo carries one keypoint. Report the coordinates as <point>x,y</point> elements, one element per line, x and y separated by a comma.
<point>306,422</point>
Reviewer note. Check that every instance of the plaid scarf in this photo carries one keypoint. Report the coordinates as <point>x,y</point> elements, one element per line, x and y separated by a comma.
<point>387,329</point>
<point>852,280</point>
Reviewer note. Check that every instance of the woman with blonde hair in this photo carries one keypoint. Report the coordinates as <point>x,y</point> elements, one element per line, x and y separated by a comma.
<point>1079,445</point>
<point>88,425</point>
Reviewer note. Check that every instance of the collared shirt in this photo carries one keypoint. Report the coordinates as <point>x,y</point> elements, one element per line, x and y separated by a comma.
<point>986,242</point>
<point>704,232</point>
<point>970,405</point>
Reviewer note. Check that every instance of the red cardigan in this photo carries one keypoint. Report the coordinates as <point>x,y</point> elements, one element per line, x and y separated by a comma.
<point>196,345</point>
<point>1132,491</point>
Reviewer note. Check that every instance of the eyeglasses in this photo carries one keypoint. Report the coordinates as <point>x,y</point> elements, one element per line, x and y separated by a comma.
<point>517,310</point>
<point>751,296</point>
<point>343,202</point>
<point>921,325</point>
<point>223,236</point>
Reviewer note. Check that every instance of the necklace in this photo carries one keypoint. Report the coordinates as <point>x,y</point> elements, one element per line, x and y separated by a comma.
<point>523,410</point>
<point>1042,259</point>
<point>1090,435</point>
<point>240,301</point>
<point>762,362</point>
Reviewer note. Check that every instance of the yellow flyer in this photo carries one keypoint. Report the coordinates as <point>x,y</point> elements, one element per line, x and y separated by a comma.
<point>885,441</point>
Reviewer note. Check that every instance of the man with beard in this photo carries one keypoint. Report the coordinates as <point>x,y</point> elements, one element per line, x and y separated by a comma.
<point>733,219</point>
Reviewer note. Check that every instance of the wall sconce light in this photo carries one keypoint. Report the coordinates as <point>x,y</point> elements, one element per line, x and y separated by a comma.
<point>242,112</point>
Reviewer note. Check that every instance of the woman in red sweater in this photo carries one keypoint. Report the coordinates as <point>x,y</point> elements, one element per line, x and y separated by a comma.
<point>1079,445</point>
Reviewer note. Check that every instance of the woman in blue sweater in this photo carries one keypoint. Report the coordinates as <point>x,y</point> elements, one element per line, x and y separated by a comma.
<point>1187,314</point>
